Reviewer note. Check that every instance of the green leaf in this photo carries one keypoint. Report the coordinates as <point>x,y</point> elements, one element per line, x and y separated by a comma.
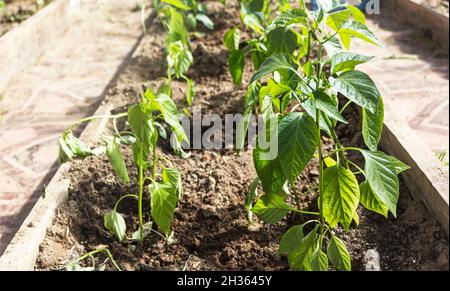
<point>271,208</point>
<point>177,29</point>
<point>115,223</point>
<point>173,176</point>
<point>253,22</point>
<point>357,14</point>
<point>146,230</point>
<point>71,148</point>
<point>370,201</point>
<point>273,63</point>
<point>329,162</point>
<point>372,126</point>
<point>266,104</point>
<point>328,5</point>
<point>277,89</point>
<point>179,58</point>
<point>308,69</point>
<point>327,105</point>
<point>284,5</point>
<point>310,108</point>
<point>359,30</point>
<point>291,239</point>
<point>164,198</point>
<point>319,260</point>
<point>201,7</point>
<point>381,174</point>
<point>116,160</point>
<point>336,19</point>
<point>333,46</point>
<point>297,142</point>
<point>164,88</point>
<point>232,39</point>
<point>252,95</point>
<point>281,40</point>
<point>191,21</point>
<point>203,18</point>
<point>345,61</point>
<point>177,3</point>
<point>252,6</point>
<point>144,131</point>
<point>191,91</point>
<point>300,258</point>
<point>338,254</point>
<point>340,196</point>
<point>236,63</point>
<point>168,109</point>
<point>249,199</point>
<point>289,17</point>
<point>359,88</point>
<point>242,129</point>
<point>400,167</point>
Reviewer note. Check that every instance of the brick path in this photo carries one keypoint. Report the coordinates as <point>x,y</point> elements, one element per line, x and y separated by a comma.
<point>412,75</point>
<point>62,87</point>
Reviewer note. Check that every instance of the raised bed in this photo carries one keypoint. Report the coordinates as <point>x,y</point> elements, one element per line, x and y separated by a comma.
<point>24,44</point>
<point>421,14</point>
<point>210,223</point>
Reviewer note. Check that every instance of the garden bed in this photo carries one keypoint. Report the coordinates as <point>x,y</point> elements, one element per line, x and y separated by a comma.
<point>210,225</point>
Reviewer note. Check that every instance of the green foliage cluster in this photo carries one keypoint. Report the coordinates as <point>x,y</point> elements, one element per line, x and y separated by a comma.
<point>301,63</point>
<point>144,125</point>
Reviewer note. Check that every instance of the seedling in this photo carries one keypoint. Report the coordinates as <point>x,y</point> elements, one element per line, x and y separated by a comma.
<point>178,17</point>
<point>75,264</point>
<point>163,187</point>
<point>298,85</point>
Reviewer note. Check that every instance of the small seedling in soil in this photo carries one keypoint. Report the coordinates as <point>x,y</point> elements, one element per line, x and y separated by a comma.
<point>162,187</point>
<point>178,18</point>
<point>75,264</point>
<point>303,71</point>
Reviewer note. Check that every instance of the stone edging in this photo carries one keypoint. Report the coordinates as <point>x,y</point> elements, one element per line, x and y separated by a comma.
<point>23,45</point>
<point>416,13</point>
<point>428,178</point>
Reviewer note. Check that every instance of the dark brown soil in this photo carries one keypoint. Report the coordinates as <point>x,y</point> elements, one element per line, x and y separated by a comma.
<point>15,12</point>
<point>210,223</point>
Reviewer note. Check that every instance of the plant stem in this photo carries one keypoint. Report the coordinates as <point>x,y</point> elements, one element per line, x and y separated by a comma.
<point>169,80</point>
<point>305,212</point>
<point>141,187</point>
<point>108,254</point>
<point>358,168</point>
<point>342,149</point>
<point>123,197</point>
<point>336,141</point>
<point>320,166</point>
<point>297,197</point>
<point>73,125</point>
<point>155,158</point>
<point>345,106</point>
<point>309,47</point>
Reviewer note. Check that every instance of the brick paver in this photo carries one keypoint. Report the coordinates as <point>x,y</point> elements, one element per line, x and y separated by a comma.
<point>412,75</point>
<point>62,87</point>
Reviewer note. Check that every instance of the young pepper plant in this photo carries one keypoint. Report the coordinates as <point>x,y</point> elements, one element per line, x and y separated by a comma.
<point>302,94</point>
<point>163,187</point>
<point>177,17</point>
